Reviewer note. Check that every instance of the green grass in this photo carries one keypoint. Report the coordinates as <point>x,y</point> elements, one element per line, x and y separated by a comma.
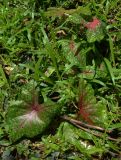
<point>47,50</point>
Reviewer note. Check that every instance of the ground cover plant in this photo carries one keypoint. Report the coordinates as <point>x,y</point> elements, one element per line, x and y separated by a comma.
<point>60,80</point>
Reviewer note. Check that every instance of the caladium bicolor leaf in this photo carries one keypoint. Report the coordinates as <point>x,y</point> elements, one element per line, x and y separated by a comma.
<point>86,103</point>
<point>89,109</point>
<point>29,118</point>
<point>95,35</point>
<point>95,31</point>
<point>69,49</point>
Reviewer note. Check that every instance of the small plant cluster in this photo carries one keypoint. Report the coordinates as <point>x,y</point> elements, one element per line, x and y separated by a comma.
<point>60,80</point>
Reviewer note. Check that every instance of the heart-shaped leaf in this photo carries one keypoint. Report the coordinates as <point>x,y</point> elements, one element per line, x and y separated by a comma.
<point>95,30</point>
<point>29,118</point>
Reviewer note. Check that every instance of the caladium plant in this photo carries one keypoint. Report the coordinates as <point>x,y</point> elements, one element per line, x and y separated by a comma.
<point>26,117</point>
<point>90,110</point>
<point>95,30</point>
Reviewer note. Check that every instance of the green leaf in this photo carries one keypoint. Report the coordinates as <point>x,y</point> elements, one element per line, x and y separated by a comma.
<point>96,34</point>
<point>84,10</point>
<point>75,18</point>
<point>101,114</point>
<point>110,70</point>
<point>22,125</point>
<point>68,54</point>
<point>111,49</point>
<point>89,109</point>
<point>99,82</point>
<point>68,133</point>
<point>52,11</point>
<point>26,117</point>
<point>94,150</point>
<point>85,135</point>
<point>86,102</point>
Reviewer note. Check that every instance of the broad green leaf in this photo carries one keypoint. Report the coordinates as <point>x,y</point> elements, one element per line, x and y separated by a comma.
<point>73,135</point>
<point>28,118</point>
<point>86,102</point>
<point>75,18</point>
<point>101,117</point>
<point>52,11</point>
<point>68,54</point>
<point>84,135</point>
<point>29,124</point>
<point>90,110</point>
<point>96,34</point>
<point>84,10</point>
<point>68,133</point>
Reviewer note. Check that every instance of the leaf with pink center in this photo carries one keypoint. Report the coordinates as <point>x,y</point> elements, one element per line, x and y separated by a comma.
<point>28,118</point>
<point>90,110</point>
<point>95,30</point>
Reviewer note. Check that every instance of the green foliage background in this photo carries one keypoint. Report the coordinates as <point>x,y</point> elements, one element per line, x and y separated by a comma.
<point>46,42</point>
